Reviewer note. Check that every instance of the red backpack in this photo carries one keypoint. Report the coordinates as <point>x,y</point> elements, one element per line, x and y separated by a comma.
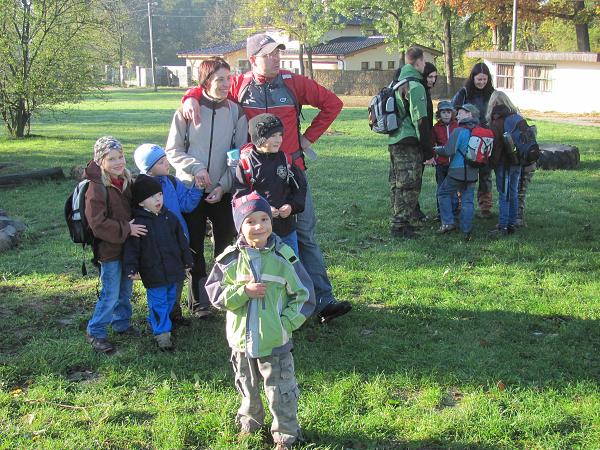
<point>479,149</point>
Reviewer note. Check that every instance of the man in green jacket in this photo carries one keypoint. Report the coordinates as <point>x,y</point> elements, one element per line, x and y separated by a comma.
<point>409,146</point>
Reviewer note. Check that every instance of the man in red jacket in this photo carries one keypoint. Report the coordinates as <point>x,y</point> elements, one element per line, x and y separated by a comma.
<point>268,89</point>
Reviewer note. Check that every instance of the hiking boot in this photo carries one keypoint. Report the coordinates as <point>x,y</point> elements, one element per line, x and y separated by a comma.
<point>164,341</point>
<point>333,310</point>
<point>130,331</point>
<point>101,345</point>
<point>406,232</point>
<point>202,313</point>
<point>467,237</point>
<point>511,229</point>
<point>446,228</point>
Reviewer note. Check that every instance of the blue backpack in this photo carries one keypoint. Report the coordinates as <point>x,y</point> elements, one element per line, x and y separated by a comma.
<point>523,138</point>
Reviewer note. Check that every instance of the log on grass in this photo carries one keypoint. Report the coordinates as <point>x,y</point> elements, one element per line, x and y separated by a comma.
<point>54,173</point>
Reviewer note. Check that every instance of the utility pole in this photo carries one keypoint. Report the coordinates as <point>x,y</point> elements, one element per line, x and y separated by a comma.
<point>152,47</point>
<point>513,44</point>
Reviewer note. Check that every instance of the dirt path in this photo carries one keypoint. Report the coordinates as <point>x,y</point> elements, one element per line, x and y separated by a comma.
<point>592,120</point>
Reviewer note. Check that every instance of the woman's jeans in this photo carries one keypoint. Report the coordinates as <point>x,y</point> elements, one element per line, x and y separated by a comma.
<point>292,241</point>
<point>447,192</point>
<point>113,306</point>
<point>507,183</point>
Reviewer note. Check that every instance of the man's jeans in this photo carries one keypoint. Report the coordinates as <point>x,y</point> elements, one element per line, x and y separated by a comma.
<point>310,253</point>
<point>292,241</point>
<point>113,306</point>
<point>446,192</point>
<point>507,183</point>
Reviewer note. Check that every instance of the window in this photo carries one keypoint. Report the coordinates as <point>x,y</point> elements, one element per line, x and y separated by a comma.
<point>537,78</point>
<point>391,64</point>
<point>364,65</point>
<point>378,65</point>
<point>505,75</point>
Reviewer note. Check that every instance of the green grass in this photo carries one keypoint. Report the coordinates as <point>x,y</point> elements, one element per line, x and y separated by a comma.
<point>491,344</point>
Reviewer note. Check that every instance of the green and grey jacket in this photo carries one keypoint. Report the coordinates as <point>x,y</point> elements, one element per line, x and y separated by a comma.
<point>261,327</point>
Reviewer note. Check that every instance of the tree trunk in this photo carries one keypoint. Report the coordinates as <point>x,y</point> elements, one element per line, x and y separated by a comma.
<point>311,73</point>
<point>447,43</point>
<point>582,30</point>
<point>503,36</point>
<point>22,117</point>
<point>301,58</point>
<point>54,173</point>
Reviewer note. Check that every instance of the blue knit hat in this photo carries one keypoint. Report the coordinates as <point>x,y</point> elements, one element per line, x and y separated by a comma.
<point>246,205</point>
<point>146,155</point>
<point>445,105</point>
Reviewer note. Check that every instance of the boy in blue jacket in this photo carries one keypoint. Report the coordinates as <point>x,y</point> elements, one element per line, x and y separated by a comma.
<point>151,160</point>
<point>461,176</point>
<point>160,258</point>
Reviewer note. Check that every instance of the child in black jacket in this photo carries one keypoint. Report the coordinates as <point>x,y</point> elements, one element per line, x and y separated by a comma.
<point>160,258</point>
<point>265,169</point>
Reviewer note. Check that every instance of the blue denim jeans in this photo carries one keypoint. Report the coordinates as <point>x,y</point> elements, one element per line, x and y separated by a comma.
<point>113,306</point>
<point>507,183</point>
<point>310,253</point>
<point>292,240</point>
<point>441,172</point>
<point>446,192</point>
<point>160,303</point>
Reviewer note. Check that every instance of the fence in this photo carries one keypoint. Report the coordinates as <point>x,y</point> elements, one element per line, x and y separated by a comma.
<point>172,76</point>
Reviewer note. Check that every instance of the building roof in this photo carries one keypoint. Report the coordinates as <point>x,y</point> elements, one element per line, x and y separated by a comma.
<point>345,45</point>
<point>216,50</point>
<point>535,56</point>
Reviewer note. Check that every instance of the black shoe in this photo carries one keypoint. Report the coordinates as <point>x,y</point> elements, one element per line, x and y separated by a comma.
<point>101,345</point>
<point>130,331</point>
<point>333,310</point>
<point>406,232</point>
<point>181,321</point>
<point>467,237</point>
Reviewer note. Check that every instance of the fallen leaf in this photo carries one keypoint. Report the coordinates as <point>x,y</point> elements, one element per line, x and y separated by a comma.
<point>501,386</point>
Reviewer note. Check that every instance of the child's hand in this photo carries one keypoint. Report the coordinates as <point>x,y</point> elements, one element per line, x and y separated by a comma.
<point>285,211</point>
<point>274,212</point>
<point>430,162</point>
<point>135,276</point>
<point>188,272</point>
<point>136,230</point>
<point>255,290</point>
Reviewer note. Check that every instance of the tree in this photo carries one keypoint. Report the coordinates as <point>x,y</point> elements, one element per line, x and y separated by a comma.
<point>304,20</point>
<point>46,57</point>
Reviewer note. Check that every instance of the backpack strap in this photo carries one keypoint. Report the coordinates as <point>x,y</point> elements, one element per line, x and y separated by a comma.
<point>173,180</point>
<point>234,113</point>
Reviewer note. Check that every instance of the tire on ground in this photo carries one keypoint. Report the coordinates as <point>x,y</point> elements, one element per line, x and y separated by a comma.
<point>558,156</point>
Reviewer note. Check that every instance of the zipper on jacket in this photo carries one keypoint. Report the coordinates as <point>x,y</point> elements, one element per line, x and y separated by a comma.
<point>266,98</point>
<point>212,129</point>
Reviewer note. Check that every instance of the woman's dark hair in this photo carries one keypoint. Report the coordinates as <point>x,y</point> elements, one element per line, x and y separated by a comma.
<point>429,69</point>
<point>470,83</point>
<point>208,67</point>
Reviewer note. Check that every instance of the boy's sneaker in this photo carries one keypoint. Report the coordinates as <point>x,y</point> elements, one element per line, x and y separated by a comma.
<point>101,345</point>
<point>446,228</point>
<point>333,310</point>
<point>202,313</point>
<point>164,341</point>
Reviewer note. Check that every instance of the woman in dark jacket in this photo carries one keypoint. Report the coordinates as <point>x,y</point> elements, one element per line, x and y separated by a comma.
<point>477,90</point>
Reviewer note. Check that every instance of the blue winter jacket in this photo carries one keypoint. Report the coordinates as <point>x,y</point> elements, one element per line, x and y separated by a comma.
<point>455,149</point>
<point>179,198</point>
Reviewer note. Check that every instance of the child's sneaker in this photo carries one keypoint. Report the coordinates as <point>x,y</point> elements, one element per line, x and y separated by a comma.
<point>164,341</point>
<point>446,228</point>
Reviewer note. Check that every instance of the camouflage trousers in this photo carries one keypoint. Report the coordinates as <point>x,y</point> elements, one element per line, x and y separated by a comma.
<point>526,176</point>
<point>281,389</point>
<point>406,173</point>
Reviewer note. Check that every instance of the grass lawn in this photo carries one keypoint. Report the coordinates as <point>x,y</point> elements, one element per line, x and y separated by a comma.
<point>489,344</point>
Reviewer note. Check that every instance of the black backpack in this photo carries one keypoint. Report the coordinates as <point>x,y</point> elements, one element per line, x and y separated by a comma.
<point>384,114</point>
<point>521,137</point>
<point>79,229</point>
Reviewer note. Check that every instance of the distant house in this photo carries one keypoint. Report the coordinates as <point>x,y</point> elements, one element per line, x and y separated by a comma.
<point>354,47</point>
<point>544,81</point>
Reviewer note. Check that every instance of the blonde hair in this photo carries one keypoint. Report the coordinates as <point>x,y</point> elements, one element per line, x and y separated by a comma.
<point>499,98</point>
<point>106,179</point>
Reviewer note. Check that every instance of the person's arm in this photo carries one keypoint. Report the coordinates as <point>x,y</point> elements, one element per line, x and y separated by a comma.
<point>182,242</point>
<point>309,92</point>
<point>297,198</point>
<point>190,101</point>
<point>224,292</point>
<point>105,228</point>
<point>302,301</point>
<point>188,198</point>
<point>240,187</point>
<point>418,113</point>
<point>450,148</point>
<point>131,256</point>
<point>177,154</point>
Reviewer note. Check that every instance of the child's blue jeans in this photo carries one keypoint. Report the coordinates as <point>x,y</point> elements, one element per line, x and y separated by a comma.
<point>507,183</point>
<point>113,306</point>
<point>160,303</point>
<point>441,172</point>
<point>446,192</point>
<point>292,240</point>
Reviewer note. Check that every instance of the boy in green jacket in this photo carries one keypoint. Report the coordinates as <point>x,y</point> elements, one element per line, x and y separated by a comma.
<point>267,294</point>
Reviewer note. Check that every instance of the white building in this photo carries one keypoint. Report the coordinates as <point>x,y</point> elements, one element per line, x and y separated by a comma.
<point>543,81</point>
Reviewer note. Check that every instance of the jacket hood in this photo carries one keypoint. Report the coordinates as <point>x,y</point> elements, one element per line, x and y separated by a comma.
<point>93,172</point>
<point>241,243</point>
<point>501,111</point>
<point>408,70</point>
<point>469,122</point>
